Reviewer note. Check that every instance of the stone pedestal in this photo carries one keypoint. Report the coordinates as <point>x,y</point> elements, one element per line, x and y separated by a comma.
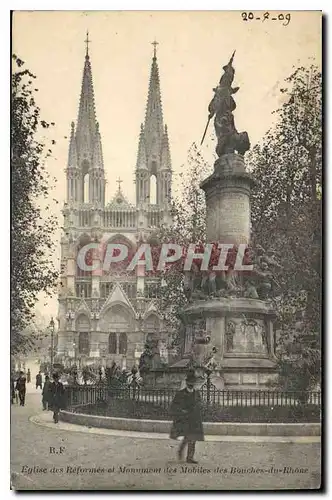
<point>227,193</point>
<point>242,331</point>
<point>240,328</point>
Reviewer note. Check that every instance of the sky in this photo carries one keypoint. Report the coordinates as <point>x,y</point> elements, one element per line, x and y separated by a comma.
<point>193,47</point>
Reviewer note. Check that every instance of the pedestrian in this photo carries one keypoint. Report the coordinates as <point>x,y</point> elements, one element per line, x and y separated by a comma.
<point>85,375</point>
<point>21,388</point>
<point>46,392</point>
<point>56,397</point>
<point>39,380</point>
<point>12,388</point>
<point>187,418</point>
<point>28,376</point>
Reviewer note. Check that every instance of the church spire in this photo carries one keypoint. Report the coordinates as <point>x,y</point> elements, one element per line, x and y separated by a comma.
<point>153,157</point>
<point>86,123</point>
<point>153,125</point>
<point>165,152</point>
<point>72,155</point>
<point>141,153</point>
<point>87,41</point>
<point>97,158</point>
<point>86,181</point>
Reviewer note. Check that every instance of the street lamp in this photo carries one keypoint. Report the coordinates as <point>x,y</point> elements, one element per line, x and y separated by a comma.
<point>74,348</point>
<point>52,342</point>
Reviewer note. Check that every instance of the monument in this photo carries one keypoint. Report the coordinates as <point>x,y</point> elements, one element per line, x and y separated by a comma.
<point>229,321</point>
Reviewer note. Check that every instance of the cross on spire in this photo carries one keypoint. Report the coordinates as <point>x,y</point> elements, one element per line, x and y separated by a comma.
<point>87,41</point>
<point>119,182</point>
<point>155,43</point>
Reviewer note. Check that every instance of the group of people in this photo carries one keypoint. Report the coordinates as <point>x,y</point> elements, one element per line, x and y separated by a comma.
<point>53,396</point>
<point>185,408</point>
<point>52,392</point>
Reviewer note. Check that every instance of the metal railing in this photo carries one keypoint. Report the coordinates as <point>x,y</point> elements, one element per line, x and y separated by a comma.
<point>81,395</point>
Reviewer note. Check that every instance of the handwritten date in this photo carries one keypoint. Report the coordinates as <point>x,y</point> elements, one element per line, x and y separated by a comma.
<point>250,16</point>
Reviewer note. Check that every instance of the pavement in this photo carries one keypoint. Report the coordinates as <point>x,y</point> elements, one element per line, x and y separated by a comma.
<point>48,456</point>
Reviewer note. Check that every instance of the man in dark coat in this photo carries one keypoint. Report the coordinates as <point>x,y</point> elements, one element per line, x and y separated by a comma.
<point>56,393</point>
<point>39,380</point>
<point>12,388</point>
<point>21,388</point>
<point>28,376</point>
<point>46,392</point>
<point>187,419</point>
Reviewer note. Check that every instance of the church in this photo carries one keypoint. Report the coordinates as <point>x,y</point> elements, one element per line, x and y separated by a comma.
<point>106,316</point>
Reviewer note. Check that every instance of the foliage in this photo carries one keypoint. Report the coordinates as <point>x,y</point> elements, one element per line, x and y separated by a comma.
<point>188,214</point>
<point>32,270</point>
<point>39,331</point>
<point>286,216</point>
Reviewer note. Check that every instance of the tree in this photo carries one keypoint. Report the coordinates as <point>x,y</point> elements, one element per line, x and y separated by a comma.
<point>188,214</point>
<point>286,216</point>
<point>32,270</point>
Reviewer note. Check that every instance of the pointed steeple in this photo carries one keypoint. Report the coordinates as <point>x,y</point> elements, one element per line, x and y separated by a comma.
<point>85,149</point>
<point>153,125</point>
<point>86,123</point>
<point>97,157</point>
<point>153,157</point>
<point>165,152</point>
<point>72,154</point>
<point>141,153</point>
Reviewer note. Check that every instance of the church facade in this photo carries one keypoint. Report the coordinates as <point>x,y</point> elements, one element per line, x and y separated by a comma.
<point>106,316</point>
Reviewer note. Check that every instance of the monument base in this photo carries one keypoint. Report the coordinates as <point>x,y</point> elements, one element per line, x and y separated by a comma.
<point>236,374</point>
<point>241,332</point>
<point>170,377</point>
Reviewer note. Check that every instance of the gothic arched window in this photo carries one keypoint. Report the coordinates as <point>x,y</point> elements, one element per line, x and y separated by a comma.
<point>123,343</point>
<point>117,268</point>
<point>83,327</point>
<point>83,343</point>
<point>153,190</point>
<point>86,188</point>
<point>81,272</point>
<point>112,343</point>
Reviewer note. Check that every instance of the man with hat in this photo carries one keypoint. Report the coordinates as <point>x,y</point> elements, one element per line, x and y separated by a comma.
<point>187,419</point>
<point>56,393</point>
<point>21,387</point>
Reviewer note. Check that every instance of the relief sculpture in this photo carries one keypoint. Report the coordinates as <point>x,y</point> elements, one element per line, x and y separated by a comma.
<point>245,335</point>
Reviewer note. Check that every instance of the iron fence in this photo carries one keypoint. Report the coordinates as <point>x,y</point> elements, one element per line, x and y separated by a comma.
<point>81,395</point>
<point>99,394</point>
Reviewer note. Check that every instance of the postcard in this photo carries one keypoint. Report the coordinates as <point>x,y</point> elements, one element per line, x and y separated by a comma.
<point>166,174</point>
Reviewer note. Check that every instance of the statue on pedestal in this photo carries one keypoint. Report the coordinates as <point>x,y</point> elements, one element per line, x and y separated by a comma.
<point>221,107</point>
<point>265,264</point>
<point>150,358</point>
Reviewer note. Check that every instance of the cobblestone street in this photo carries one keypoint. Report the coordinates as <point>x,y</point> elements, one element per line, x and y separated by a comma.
<point>31,448</point>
